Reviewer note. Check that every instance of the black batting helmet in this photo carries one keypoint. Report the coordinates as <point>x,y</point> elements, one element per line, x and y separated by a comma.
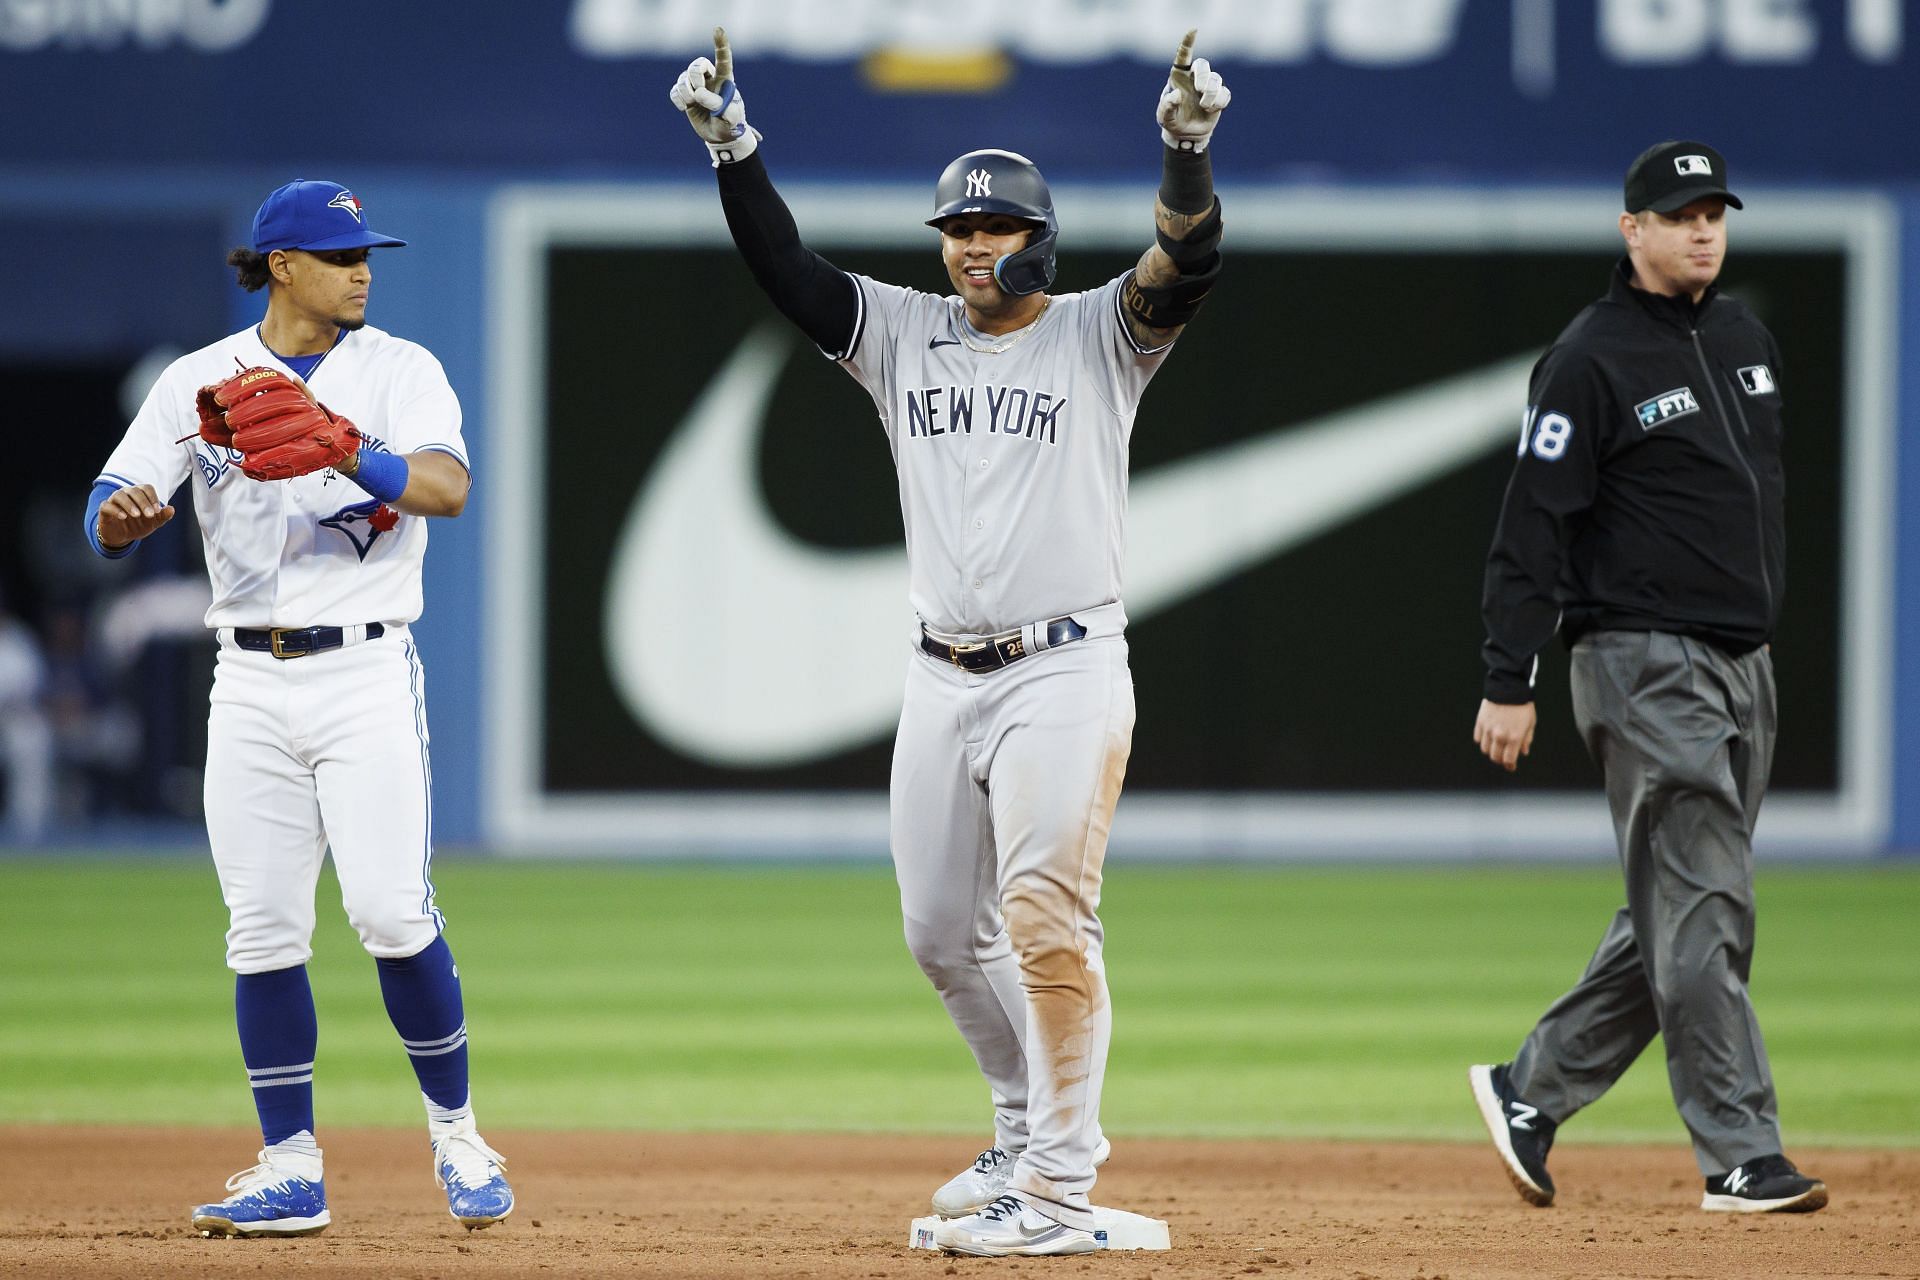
<point>993,181</point>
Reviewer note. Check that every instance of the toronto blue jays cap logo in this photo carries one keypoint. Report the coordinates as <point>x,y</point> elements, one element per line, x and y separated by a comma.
<point>315,216</point>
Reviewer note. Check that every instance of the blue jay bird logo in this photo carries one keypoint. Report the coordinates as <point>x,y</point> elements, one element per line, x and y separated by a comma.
<point>363,523</point>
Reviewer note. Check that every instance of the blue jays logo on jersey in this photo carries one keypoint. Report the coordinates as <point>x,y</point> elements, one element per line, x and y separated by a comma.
<point>214,462</point>
<point>348,201</point>
<point>1665,407</point>
<point>363,523</point>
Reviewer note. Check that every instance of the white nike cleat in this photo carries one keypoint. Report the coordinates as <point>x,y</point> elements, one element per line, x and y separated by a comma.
<point>976,1186</point>
<point>987,1179</point>
<point>1010,1228</point>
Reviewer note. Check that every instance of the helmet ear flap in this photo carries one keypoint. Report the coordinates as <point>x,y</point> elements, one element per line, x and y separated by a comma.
<point>993,181</point>
<point>1028,270</point>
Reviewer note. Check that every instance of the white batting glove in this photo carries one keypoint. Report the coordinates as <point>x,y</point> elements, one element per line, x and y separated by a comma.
<point>714,106</point>
<point>1191,103</point>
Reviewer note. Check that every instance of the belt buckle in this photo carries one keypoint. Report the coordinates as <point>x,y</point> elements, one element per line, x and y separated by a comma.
<point>955,650</point>
<point>274,637</point>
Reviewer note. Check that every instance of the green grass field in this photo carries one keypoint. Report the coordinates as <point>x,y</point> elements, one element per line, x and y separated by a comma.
<point>1250,1002</point>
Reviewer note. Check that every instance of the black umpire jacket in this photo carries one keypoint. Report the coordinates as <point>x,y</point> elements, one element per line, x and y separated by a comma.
<point>1648,493</point>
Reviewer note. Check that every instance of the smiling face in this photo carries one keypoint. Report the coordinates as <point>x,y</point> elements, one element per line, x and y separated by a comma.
<point>1678,253</point>
<point>328,287</point>
<point>970,243</point>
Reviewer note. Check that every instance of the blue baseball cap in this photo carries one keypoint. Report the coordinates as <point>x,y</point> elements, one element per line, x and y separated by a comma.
<point>316,216</point>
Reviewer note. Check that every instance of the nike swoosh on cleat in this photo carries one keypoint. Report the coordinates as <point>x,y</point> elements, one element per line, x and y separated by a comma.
<point>703,581</point>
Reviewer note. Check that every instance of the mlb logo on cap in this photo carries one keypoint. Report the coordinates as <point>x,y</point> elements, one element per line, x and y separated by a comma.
<point>1669,176</point>
<point>316,216</point>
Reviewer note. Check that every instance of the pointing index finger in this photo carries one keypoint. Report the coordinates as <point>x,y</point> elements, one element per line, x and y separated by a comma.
<point>1184,58</point>
<point>722,57</point>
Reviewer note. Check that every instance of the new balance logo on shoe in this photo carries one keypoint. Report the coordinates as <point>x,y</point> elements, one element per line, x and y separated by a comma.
<point>1769,1184</point>
<point>1521,1135</point>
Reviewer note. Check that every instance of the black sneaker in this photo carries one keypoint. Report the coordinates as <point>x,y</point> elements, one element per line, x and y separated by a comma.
<point>1520,1133</point>
<point>1769,1184</point>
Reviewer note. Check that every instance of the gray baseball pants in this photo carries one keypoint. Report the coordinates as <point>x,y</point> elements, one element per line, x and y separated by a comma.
<point>1684,733</point>
<point>1003,791</point>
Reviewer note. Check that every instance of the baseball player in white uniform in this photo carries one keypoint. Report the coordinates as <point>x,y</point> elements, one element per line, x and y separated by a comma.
<point>1008,411</point>
<point>317,738</point>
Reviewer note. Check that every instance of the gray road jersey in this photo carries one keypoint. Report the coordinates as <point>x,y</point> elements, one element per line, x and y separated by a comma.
<point>1013,465</point>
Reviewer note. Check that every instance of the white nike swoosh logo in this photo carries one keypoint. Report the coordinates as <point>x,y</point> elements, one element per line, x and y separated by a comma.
<point>738,644</point>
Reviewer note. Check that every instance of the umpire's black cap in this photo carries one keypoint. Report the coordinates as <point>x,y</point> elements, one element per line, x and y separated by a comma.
<point>1672,175</point>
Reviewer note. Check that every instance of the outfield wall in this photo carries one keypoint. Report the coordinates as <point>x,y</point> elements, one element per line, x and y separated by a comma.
<point>1409,224</point>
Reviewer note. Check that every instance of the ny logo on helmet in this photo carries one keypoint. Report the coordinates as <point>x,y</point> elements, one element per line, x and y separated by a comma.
<point>979,183</point>
<point>345,200</point>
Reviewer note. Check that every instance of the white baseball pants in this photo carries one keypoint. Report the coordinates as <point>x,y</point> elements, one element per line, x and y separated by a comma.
<point>303,754</point>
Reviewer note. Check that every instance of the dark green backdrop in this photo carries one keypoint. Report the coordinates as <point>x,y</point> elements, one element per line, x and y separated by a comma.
<point>1350,664</point>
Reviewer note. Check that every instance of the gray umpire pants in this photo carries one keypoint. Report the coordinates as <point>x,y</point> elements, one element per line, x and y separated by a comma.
<point>1684,733</point>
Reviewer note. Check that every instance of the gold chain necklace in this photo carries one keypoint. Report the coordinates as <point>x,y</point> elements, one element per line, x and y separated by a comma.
<point>994,349</point>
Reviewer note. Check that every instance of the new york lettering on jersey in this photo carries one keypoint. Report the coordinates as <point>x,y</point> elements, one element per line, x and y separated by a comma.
<point>1016,412</point>
<point>1037,540</point>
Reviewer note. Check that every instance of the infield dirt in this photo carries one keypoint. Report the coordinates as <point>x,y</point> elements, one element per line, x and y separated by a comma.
<point>113,1202</point>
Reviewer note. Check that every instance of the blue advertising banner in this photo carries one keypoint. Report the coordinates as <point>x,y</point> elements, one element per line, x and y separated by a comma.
<point>1527,90</point>
<point>140,134</point>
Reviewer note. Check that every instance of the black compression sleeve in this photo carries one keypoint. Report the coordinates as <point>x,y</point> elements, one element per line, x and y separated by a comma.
<point>808,290</point>
<point>1186,180</point>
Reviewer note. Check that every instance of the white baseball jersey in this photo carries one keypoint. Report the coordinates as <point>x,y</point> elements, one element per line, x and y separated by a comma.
<point>317,550</point>
<point>1011,451</point>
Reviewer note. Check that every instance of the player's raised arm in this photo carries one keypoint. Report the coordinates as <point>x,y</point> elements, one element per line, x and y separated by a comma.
<point>1174,276</point>
<point>810,291</point>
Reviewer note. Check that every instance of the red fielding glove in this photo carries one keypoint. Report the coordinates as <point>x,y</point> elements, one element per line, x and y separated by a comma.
<point>279,429</point>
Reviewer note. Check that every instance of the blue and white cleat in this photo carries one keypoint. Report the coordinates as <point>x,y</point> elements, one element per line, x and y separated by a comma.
<point>283,1195</point>
<point>473,1175</point>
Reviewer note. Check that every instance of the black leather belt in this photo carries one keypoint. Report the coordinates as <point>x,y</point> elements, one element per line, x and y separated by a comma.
<point>999,651</point>
<point>285,642</point>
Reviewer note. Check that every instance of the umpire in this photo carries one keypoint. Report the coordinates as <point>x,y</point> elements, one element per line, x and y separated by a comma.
<point>1643,521</point>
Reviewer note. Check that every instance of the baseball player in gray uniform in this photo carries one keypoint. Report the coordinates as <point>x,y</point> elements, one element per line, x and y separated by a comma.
<point>1008,411</point>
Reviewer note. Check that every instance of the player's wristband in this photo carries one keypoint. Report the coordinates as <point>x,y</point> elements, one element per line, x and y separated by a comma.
<point>1186,180</point>
<point>102,490</point>
<point>384,475</point>
<point>736,150</point>
<point>1190,146</point>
